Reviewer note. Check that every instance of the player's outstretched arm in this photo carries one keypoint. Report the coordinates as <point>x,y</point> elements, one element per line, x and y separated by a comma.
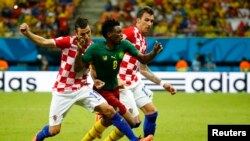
<point>147,73</point>
<point>25,30</point>
<point>144,59</point>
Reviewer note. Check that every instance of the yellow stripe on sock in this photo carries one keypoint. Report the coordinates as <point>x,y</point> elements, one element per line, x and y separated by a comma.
<point>118,133</point>
<point>94,132</point>
<point>114,135</point>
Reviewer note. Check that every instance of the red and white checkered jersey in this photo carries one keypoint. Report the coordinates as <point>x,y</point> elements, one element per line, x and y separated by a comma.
<point>67,79</point>
<point>129,66</point>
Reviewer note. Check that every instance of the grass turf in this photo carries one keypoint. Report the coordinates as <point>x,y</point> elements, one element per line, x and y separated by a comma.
<point>181,117</point>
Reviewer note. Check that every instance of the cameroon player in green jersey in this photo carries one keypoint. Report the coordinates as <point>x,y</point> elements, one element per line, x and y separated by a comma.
<point>105,58</point>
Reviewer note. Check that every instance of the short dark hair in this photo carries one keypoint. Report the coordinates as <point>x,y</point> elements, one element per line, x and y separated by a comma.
<point>81,23</point>
<point>145,9</point>
<point>108,26</point>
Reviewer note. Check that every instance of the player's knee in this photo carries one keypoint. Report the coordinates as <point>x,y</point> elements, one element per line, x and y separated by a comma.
<point>106,121</point>
<point>109,111</point>
<point>149,109</point>
<point>54,130</point>
<point>122,109</point>
<point>106,110</point>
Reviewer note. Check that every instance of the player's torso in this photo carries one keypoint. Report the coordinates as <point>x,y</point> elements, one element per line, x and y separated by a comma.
<point>67,79</point>
<point>129,66</point>
<point>107,63</point>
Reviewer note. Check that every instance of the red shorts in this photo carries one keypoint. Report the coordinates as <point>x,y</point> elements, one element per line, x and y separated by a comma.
<point>112,97</point>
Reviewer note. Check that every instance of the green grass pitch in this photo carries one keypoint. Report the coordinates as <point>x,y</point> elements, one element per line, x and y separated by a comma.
<point>182,117</point>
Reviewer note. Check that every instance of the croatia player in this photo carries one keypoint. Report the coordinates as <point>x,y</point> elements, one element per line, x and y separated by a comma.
<point>72,87</point>
<point>135,94</point>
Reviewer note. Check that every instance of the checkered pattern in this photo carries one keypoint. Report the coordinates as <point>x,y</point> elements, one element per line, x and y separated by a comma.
<point>129,65</point>
<point>67,79</point>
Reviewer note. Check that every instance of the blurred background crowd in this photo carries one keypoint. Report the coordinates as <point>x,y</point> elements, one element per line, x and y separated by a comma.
<point>173,18</point>
<point>187,18</point>
<point>48,18</point>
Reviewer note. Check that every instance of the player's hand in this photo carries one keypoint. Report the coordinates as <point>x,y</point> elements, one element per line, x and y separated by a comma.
<point>169,88</point>
<point>158,47</point>
<point>24,28</point>
<point>80,42</point>
<point>98,83</point>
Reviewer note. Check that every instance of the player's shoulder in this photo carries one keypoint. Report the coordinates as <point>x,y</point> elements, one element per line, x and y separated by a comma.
<point>130,33</point>
<point>127,28</point>
<point>65,37</point>
<point>125,42</point>
<point>130,28</point>
<point>64,41</point>
<point>96,45</point>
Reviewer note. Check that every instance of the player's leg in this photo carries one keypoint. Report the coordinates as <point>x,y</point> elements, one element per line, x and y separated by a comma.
<point>97,130</point>
<point>60,104</point>
<point>95,102</point>
<point>112,98</point>
<point>91,100</point>
<point>149,125</point>
<point>143,98</point>
<point>127,98</point>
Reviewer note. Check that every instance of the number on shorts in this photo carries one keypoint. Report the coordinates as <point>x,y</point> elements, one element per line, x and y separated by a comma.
<point>94,94</point>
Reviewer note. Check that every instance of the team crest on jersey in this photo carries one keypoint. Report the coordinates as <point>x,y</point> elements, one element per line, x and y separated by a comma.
<point>105,58</point>
<point>121,54</point>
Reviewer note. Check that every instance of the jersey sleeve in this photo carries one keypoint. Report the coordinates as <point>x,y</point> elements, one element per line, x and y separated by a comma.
<point>87,56</point>
<point>63,42</point>
<point>130,48</point>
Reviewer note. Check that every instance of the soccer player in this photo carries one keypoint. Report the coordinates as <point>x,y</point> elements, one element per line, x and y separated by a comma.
<point>72,87</point>
<point>135,94</point>
<point>105,58</point>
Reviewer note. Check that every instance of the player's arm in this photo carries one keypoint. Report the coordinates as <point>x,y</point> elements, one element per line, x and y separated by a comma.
<point>147,73</point>
<point>24,28</point>
<point>97,82</point>
<point>93,72</point>
<point>144,59</point>
<point>79,65</point>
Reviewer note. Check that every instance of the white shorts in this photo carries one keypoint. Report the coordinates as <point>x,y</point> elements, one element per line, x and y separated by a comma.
<point>62,102</point>
<point>136,97</point>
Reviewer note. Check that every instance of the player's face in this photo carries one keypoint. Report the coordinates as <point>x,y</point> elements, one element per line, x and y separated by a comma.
<point>145,23</point>
<point>116,35</point>
<point>84,33</point>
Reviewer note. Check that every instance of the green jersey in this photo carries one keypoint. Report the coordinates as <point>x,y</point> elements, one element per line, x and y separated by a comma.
<point>107,62</point>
